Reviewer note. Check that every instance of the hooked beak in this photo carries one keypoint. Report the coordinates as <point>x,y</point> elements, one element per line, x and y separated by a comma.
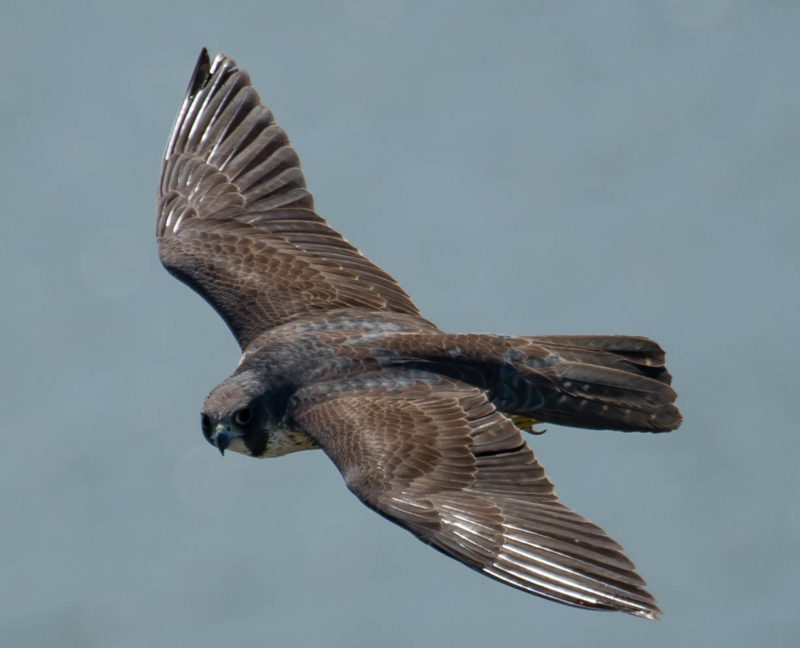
<point>223,435</point>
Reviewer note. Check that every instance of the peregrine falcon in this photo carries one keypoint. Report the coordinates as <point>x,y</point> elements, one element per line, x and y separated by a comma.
<point>425,426</point>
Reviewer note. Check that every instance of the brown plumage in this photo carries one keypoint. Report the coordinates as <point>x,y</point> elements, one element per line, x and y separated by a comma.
<point>421,423</point>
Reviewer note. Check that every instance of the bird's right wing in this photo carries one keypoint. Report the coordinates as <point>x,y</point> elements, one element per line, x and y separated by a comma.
<point>237,224</point>
<point>433,455</point>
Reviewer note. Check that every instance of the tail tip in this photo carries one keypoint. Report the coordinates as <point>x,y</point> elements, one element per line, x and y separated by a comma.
<point>666,418</point>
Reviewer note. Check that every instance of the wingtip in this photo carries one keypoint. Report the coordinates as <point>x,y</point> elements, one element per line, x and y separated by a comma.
<point>645,610</point>
<point>200,74</point>
<point>653,614</point>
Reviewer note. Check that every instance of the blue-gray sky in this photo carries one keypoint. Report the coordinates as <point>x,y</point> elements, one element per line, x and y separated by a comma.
<point>520,167</point>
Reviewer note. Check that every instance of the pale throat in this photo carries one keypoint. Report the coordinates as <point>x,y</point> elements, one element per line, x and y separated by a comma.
<point>283,440</point>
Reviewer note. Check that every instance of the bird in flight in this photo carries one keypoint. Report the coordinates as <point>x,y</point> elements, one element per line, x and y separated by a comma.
<point>425,426</point>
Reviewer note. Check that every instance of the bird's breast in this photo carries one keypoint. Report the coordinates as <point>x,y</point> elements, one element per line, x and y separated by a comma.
<point>283,440</point>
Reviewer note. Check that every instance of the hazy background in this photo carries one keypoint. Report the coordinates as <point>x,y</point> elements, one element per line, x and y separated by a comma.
<point>521,167</point>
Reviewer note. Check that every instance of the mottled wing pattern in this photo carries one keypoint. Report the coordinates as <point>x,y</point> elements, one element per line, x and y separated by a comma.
<point>236,222</point>
<point>433,455</point>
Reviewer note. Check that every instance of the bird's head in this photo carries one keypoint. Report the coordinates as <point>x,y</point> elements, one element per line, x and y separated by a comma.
<point>235,415</point>
<point>247,413</point>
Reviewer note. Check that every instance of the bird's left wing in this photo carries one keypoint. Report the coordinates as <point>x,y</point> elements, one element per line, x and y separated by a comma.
<point>433,455</point>
<point>237,223</point>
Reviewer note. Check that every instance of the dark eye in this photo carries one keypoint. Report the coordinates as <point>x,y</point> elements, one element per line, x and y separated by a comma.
<point>243,416</point>
<point>205,423</point>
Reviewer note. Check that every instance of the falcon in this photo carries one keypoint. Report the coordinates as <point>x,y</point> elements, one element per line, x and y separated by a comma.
<point>425,426</point>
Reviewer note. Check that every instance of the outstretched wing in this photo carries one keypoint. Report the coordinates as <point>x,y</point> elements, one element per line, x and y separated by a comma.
<point>236,222</point>
<point>433,455</point>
